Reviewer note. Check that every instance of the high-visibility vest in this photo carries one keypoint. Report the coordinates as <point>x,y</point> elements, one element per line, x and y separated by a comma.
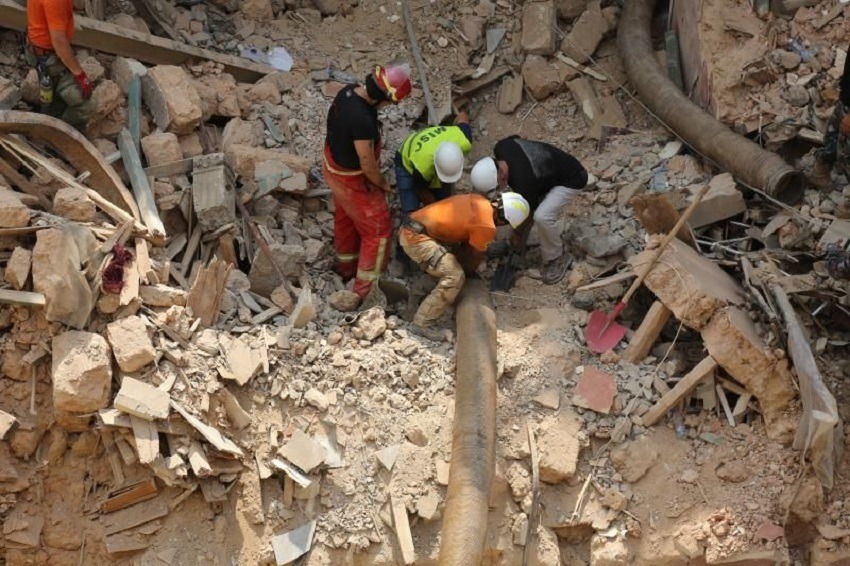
<point>417,151</point>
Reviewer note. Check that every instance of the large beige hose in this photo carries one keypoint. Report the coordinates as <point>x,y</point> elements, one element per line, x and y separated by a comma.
<point>761,169</point>
<point>474,432</point>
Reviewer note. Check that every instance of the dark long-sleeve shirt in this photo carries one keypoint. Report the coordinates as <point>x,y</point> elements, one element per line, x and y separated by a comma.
<point>844,84</point>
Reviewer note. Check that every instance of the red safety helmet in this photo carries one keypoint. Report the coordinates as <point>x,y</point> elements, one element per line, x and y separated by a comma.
<point>394,81</point>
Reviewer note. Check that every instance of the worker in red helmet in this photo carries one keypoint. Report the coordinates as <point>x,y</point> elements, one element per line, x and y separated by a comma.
<point>362,223</point>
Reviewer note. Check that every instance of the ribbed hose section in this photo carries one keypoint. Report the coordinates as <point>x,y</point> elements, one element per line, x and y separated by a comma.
<point>474,432</point>
<point>761,169</point>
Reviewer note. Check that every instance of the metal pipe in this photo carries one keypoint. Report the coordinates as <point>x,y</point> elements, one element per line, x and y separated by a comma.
<point>754,166</point>
<point>474,432</point>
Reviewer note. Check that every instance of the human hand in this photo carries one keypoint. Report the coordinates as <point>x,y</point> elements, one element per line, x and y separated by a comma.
<point>462,117</point>
<point>84,83</point>
<point>845,125</point>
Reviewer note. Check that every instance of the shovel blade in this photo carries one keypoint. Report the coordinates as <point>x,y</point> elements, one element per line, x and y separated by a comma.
<point>599,338</point>
<point>503,278</point>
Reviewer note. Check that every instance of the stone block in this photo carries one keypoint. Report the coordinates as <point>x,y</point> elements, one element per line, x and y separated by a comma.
<point>243,159</point>
<point>10,94</point>
<point>595,390</point>
<point>13,213</point>
<point>18,268</point>
<point>570,9</point>
<point>82,371</point>
<point>57,259</point>
<point>142,400</point>
<point>264,277</point>
<point>260,10</point>
<point>545,78</point>
<point>162,295</point>
<point>172,99</point>
<point>131,343</point>
<point>723,200</point>
<point>74,204</point>
<point>242,132</point>
<point>190,145</point>
<point>538,28</point>
<point>161,148</point>
<point>586,35</point>
<point>559,446</point>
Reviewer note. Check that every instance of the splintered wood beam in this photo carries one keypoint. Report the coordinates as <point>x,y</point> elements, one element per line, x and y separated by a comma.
<point>647,333</point>
<point>140,184</point>
<point>702,370</point>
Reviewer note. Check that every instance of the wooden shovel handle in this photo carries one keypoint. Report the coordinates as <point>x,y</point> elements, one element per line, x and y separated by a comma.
<point>664,243</point>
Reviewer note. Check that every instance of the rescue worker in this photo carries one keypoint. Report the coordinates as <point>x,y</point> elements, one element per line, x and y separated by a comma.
<point>468,221</point>
<point>430,161</point>
<point>65,88</point>
<point>362,224</point>
<point>837,127</point>
<point>549,179</point>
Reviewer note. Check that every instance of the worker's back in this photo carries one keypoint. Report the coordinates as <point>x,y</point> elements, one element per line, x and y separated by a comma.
<point>458,219</point>
<point>46,15</point>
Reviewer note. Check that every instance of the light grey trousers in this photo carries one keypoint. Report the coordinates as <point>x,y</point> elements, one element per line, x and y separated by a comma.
<point>547,220</point>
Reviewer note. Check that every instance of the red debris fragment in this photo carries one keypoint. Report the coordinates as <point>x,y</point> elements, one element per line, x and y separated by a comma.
<point>113,275</point>
<point>595,391</point>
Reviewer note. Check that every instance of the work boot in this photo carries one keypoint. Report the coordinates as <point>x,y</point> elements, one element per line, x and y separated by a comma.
<point>821,176</point>
<point>429,332</point>
<point>555,270</point>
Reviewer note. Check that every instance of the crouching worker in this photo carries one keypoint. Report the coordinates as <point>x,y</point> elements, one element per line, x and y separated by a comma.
<point>467,221</point>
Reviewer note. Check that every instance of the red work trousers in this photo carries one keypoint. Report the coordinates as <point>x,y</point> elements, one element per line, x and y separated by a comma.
<point>362,227</point>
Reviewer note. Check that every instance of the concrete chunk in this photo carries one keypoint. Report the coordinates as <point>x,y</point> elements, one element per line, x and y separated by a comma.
<point>172,99</point>
<point>10,94</point>
<point>13,213</point>
<point>723,200</point>
<point>691,286</point>
<point>303,451</point>
<point>123,70</point>
<point>74,204</point>
<point>131,343</point>
<point>214,201</point>
<point>586,35</point>
<point>559,446</point>
<point>142,400</point>
<point>161,148</point>
<point>57,258</point>
<point>731,339</point>
<point>18,268</point>
<point>538,28</point>
<point>82,371</point>
<point>263,276</point>
<point>544,78</point>
<point>162,295</point>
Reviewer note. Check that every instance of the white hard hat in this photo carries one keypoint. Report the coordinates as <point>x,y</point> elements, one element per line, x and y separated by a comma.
<point>448,161</point>
<point>515,208</point>
<point>484,175</point>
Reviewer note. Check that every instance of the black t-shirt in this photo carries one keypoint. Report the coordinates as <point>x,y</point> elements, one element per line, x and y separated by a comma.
<point>535,167</point>
<point>844,83</point>
<point>351,118</point>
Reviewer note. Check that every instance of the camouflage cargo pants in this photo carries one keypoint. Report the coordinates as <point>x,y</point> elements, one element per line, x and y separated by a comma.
<point>432,257</point>
<point>68,103</point>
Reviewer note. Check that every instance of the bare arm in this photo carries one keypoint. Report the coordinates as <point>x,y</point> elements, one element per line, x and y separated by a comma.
<point>63,50</point>
<point>366,153</point>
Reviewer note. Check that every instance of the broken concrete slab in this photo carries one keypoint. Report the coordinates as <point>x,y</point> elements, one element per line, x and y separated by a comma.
<point>544,78</point>
<point>123,71</point>
<point>372,323</point>
<point>731,339</point>
<point>241,362</point>
<point>293,544</point>
<point>13,212</point>
<point>263,276</point>
<point>172,99</point>
<point>510,94</point>
<point>10,94</point>
<point>691,286</point>
<point>570,9</point>
<point>634,459</point>
<point>161,148</point>
<point>82,371</point>
<point>160,295</point>
<point>559,446</point>
<point>586,35</point>
<point>304,310</point>
<point>387,456</point>
<point>130,343</point>
<point>142,400</point>
<point>426,506</point>
<point>18,268</point>
<point>550,398</point>
<point>723,200</point>
<point>74,204</point>
<point>344,301</point>
<point>303,451</point>
<point>243,159</point>
<point>538,27</point>
<point>213,199</point>
<point>595,390</point>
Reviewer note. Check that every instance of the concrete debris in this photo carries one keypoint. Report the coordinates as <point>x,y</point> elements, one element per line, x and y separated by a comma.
<point>372,324</point>
<point>263,275</point>
<point>303,451</point>
<point>559,446</point>
<point>13,213</point>
<point>344,301</point>
<point>7,421</point>
<point>542,77</point>
<point>160,295</point>
<point>161,148</point>
<point>74,204</point>
<point>634,459</point>
<point>82,371</point>
<point>595,390</point>
<point>142,400</point>
<point>551,399</point>
<point>123,71</point>
<point>130,343</point>
<point>510,93</point>
<point>293,544</point>
<point>305,310</point>
<point>387,456</point>
<point>57,259</point>
<point>10,94</point>
<point>426,506</point>
<point>538,27</point>
<point>586,34</point>
<point>723,200</point>
<point>172,99</point>
<point>18,268</point>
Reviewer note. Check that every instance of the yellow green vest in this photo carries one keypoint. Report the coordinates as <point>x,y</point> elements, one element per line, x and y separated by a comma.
<point>417,151</point>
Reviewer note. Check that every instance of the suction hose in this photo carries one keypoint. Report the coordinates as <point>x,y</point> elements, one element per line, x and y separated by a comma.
<point>761,169</point>
<point>474,432</point>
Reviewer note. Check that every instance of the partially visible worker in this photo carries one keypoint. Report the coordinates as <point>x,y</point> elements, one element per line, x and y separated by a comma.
<point>837,131</point>
<point>467,221</point>
<point>549,179</point>
<point>430,161</point>
<point>362,223</point>
<point>64,86</point>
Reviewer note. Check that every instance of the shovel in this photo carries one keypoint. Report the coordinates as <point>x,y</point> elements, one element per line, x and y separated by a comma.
<point>601,332</point>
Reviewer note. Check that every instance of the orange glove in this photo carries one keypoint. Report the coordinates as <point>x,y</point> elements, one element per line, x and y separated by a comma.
<point>845,125</point>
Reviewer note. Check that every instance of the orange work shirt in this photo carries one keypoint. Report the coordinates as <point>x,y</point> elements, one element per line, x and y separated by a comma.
<point>459,219</point>
<point>46,15</point>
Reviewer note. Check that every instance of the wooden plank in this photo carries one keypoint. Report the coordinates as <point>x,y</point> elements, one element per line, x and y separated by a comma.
<point>579,67</point>
<point>724,402</point>
<point>198,460</point>
<point>402,531</point>
<point>181,167</point>
<point>213,436</point>
<point>134,516</point>
<point>616,278</point>
<point>112,455</point>
<point>207,291</point>
<point>534,514</point>
<point>134,111</point>
<point>23,298</point>
<point>21,182</point>
<point>146,47</point>
<point>130,495</point>
<point>741,407</point>
<point>702,370</point>
<point>226,249</point>
<point>191,248</point>
<point>658,215</point>
<point>130,290</point>
<point>647,333</point>
<point>139,182</point>
<point>469,87</point>
<point>147,439</point>
<point>176,245</point>
<point>122,543</point>
<point>143,260</point>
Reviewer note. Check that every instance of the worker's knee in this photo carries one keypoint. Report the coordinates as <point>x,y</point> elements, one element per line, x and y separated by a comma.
<point>544,216</point>
<point>451,272</point>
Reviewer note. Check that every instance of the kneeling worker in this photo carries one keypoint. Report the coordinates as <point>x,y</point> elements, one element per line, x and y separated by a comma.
<point>469,220</point>
<point>430,161</point>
